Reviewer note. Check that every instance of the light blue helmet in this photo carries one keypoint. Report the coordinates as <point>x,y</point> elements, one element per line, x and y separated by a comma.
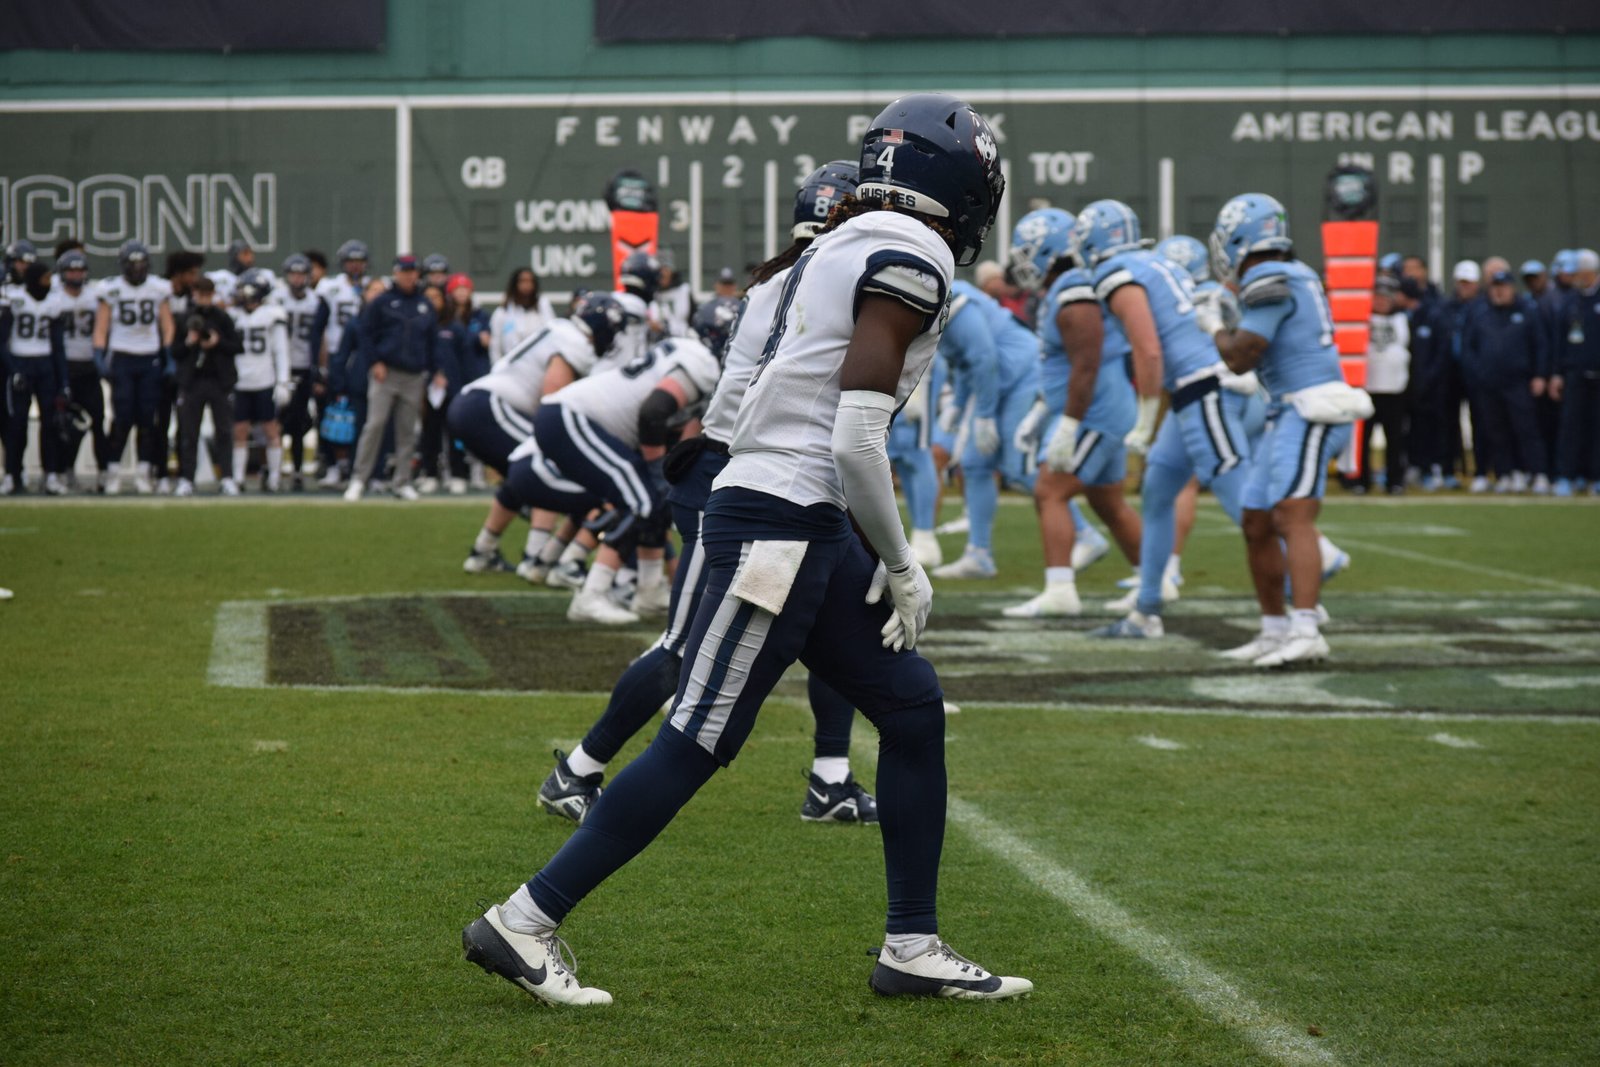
<point>1187,252</point>
<point>1564,261</point>
<point>1249,223</point>
<point>1103,229</point>
<point>1040,238</point>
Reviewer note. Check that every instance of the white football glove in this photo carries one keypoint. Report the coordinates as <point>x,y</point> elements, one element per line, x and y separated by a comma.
<point>1246,384</point>
<point>1208,312</point>
<point>911,597</point>
<point>1144,427</point>
<point>949,415</point>
<point>986,436</point>
<point>281,393</point>
<point>1058,453</point>
<point>1026,438</point>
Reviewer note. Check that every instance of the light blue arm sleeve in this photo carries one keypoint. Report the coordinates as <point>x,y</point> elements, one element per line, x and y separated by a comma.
<point>971,348</point>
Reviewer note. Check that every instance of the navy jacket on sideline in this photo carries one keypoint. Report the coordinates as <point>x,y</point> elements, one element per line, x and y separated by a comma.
<point>398,331</point>
<point>1578,351</point>
<point>1505,346</point>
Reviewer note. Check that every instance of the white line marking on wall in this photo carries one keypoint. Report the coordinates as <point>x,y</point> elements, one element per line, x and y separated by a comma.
<point>1162,743</point>
<point>1471,568</point>
<point>1547,681</point>
<point>1452,741</point>
<point>239,645</point>
<point>1212,991</point>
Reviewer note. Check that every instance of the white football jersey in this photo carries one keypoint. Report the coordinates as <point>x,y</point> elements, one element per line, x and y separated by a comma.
<point>612,399</point>
<point>783,434</point>
<point>30,321</point>
<point>264,335</point>
<point>744,352</point>
<point>135,314</point>
<point>343,296</point>
<point>77,319</point>
<point>518,379</point>
<point>672,309</point>
<point>225,281</point>
<point>300,313</point>
<point>634,338</point>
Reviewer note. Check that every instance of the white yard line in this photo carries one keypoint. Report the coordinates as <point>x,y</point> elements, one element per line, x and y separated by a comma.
<point>1470,568</point>
<point>1212,991</point>
<point>1452,741</point>
<point>1543,681</point>
<point>1160,743</point>
<point>239,645</point>
<point>1274,713</point>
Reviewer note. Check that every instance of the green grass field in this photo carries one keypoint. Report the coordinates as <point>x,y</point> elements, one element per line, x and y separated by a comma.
<point>261,760</point>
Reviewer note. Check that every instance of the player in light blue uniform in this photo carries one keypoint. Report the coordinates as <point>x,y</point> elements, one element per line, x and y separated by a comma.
<point>1286,335</point>
<point>910,450</point>
<point>991,358</point>
<point>1155,303</point>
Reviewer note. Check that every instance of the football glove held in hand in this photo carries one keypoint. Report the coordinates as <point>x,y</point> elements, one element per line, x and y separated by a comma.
<point>910,598</point>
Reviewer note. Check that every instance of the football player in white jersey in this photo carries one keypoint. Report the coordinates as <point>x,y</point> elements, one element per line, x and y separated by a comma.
<point>739,328</point>
<point>790,578</point>
<point>342,293</point>
<point>35,364</point>
<point>76,305</point>
<point>638,283</point>
<point>609,432</point>
<point>306,315</point>
<point>263,385</point>
<point>132,331</point>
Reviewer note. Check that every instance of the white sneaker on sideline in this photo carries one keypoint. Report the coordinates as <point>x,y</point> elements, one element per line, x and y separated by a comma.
<point>54,486</point>
<point>353,493</point>
<point>940,972</point>
<point>541,965</point>
<point>332,479</point>
<point>229,487</point>
<point>111,480</point>
<point>406,492</point>
<point>185,488</point>
<point>1056,600</point>
<point>141,480</point>
<point>1297,648</point>
<point>428,485</point>
<point>597,607</point>
<point>1480,484</point>
<point>458,487</point>
<point>926,548</point>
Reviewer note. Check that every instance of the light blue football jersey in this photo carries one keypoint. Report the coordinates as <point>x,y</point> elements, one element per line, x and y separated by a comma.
<point>1113,409</point>
<point>979,335</point>
<point>1185,348</point>
<point>1283,301</point>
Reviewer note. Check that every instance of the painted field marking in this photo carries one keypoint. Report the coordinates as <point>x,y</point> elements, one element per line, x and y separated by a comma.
<point>1277,690</point>
<point>1472,568</point>
<point>1540,681</point>
<point>1452,741</point>
<point>16,531</point>
<point>1161,743</point>
<point>239,645</point>
<point>1281,713</point>
<point>270,746</point>
<point>1211,990</point>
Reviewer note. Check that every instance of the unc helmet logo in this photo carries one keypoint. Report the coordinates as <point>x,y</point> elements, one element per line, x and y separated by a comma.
<point>1231,215</point>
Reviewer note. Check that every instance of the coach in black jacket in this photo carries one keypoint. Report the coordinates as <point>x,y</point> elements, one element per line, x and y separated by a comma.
<point>206,346</point>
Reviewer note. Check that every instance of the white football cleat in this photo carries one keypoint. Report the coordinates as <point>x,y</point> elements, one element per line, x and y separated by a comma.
<point>111,480</point>
<point>532,571</point>
<point>428,485</point>
<point>185,488</point>
<point>1259,645</point>
<point>541,965</point>
<point>54,486</point>
<point>458,487</point>
<point>355,491</point>
<point>568,575</point>
<point>600,608</point>
<point>407,492</point>
<point>1296,648</point>
<point>229,487</point>
<point>1334,561</point>
<point>653,599</point>
<point>1135,627</point>
<point>331,479</point>
<point>926,548</point>
<point>1058,599</point>
<point>1089,547</point>
<point>141,480</point>
<point>973,563</point>
<point>959,525</point>
<point>940,972</point>
<point>8,485</point>
<point>1480,484</point>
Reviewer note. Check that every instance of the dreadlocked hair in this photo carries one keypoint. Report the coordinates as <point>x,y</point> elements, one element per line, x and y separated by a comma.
<point>779,263</point>
<point>852,206</point>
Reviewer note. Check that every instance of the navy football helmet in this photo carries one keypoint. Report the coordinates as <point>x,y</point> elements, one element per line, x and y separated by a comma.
<point>251,289</point>
<point>823,188</point>
<point>21,251</point>
<point>641,274</point>
<point>1187,252</point>
<point>353,250</point>
<point>296,264</point>
<point>1038,240</point>
<point>1249,223</point>
<point>73,261</point>
<point>714,322</point>
<point>134,259</point>
<point>435,263</point>
<point>599,315</point>
<point>931,154</point>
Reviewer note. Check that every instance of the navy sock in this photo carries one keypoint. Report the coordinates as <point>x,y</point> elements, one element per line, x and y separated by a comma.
<point>911,792</point>
<point>834,715</point>
<point>637,806</point>
<point>648,683</point>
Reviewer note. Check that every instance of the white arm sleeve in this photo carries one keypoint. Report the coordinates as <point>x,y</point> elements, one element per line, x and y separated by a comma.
<point>860,452</point>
